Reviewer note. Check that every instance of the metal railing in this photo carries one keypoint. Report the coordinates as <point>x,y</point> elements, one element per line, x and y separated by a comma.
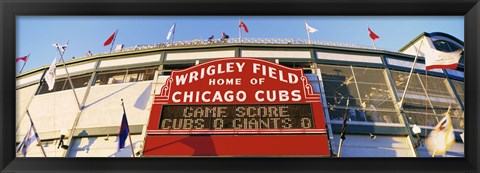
<point>287,41</point>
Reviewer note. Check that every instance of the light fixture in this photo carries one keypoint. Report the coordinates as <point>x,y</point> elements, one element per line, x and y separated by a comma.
<point>416,130</point>
<point>462,136</point>
<point>63,133</point>
<point>139,148</point>
<point>372,136</point>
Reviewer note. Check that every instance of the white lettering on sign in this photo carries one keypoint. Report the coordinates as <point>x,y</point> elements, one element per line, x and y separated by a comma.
<point>209,71</point>
<point>275,73</point>
<point>208,96</point>
<point>235,96</point>
<point>230,67</point>
<point>229,81</point>
<point>236,81</point>
<point>237,117</point>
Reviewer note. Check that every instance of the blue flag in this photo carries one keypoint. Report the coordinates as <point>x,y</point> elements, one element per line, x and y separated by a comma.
<point>124,132</point>
<point>29,138</point>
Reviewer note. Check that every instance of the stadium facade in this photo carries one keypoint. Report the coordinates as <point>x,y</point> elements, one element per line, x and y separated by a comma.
<point>372,81</point>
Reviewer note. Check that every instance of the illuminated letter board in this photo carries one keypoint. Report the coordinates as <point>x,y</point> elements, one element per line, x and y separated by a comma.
<point>236,107</point>
<point>182,117</point>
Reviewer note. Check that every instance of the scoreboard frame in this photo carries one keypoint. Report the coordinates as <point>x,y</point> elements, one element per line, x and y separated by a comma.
<point>252,82</point>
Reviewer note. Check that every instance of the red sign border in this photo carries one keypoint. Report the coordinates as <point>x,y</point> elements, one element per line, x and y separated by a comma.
<point>310,98</point>
<point>238,142</point>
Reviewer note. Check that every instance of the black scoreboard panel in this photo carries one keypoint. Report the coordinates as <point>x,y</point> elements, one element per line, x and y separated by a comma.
<point>274,116</point>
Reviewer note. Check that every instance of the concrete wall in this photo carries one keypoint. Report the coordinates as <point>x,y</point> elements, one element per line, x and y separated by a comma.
<point>381,146</point>
<point>276,54</point>
<point>98,146</point>
<point>50,148</point>
<point>52,112</point>
<point>101,146</point>
<point>22,97</point>
<point>129,61</point>
<point>199,55</point>
<point>29,79</point>
<point>104,106</point>
<point>103,111</point>
<point>74,69</point>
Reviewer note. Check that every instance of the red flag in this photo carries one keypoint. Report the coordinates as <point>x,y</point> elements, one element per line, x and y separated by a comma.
<point>110,39</point>
<point>244,26</point>
<point>373,36</point>
<point>24,59</point>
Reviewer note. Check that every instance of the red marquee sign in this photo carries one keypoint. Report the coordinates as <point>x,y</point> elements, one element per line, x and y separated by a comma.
<point>237,107</point>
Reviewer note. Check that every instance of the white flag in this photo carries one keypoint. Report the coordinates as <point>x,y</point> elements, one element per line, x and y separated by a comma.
<point>171,32</point>
<point>62,48</point>
<point>50,76</point>
<point>440,59</point>
<point>442,137</point>
<point>310,29</point>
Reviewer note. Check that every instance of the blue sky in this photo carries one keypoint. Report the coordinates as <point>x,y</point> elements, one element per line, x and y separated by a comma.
<point>36,34</point>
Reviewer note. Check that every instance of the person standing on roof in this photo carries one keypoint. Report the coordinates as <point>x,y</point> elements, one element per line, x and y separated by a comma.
<point>210,39</point>
<point>225,37</point>
<point>89,53</point>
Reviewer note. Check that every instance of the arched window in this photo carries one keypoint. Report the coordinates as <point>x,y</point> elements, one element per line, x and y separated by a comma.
<point>445,46</point>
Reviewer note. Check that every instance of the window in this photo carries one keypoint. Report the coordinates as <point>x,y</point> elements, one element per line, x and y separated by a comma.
<point>112,77</point>
<point>296,64</point>
<point>141,74</point>
<point>63,84</point>
<point>459,89</point>
<point>167,68</point>
<point>125,76</point>
<point>79,81</point>
<point>313,80</point>
<point>445,46</point>
<point>427,100</point>
<point>370,98</point>
<point>305,66</point>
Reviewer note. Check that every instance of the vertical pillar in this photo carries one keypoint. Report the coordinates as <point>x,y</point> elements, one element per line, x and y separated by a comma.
<point>403,117</point>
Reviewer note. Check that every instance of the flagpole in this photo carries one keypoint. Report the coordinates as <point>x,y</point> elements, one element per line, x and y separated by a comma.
<point>400,104</point>
<point>173,33</point>
<point>239,29</point>
<point>21,146</point>
<point>68,75</point>
<point>36,134</point>
<point>129,137</point>
<point>426,91</point>
<point>410,75</point>
<point>308,33</point>
<point>24,63</point>
<point>427,101</point>
<point>344,127</point>
<point>373,42</point>
<point>111,47</point>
